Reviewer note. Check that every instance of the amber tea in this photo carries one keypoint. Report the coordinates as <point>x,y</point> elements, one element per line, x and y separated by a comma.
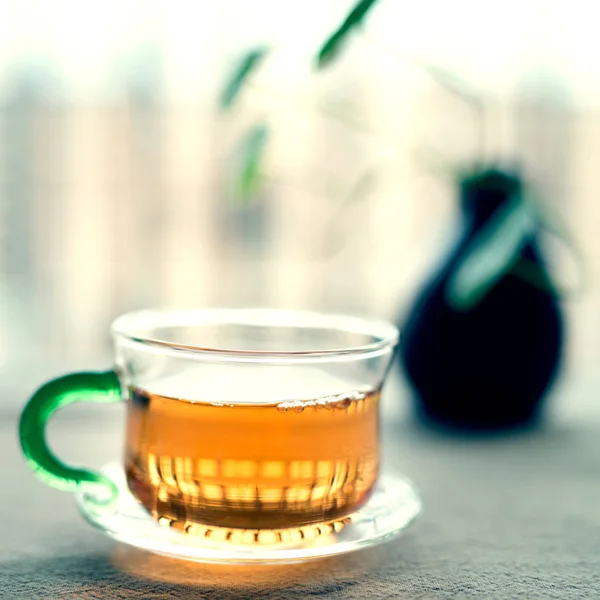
<point>252,435</point>
<point>252,465</point>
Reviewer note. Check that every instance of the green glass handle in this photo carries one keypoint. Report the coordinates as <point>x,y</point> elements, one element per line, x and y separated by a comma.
<point>103,387</point>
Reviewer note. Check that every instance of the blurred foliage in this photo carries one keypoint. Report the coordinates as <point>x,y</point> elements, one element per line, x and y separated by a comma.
<point>251,150</point>
<point>496,249</point>
<point>242,71</point>
<point>335,42</point>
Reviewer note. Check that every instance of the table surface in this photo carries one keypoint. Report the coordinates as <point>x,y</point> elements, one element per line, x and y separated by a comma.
<point>505,516</point>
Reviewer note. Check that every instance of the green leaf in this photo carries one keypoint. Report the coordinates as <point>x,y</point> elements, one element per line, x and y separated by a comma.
<point>330,50</point>
<point>249,62</point>
<point>492,253</point>
<point>251,151</point>
<point>334,43</point>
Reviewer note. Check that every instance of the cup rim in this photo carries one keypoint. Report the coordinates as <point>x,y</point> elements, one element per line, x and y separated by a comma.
<point>128,326</point>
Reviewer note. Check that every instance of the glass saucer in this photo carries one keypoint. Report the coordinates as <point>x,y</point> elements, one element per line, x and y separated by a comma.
<point>393,505</point>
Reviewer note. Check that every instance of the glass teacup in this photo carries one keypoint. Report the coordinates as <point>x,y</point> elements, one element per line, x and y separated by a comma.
<point>237,420</point>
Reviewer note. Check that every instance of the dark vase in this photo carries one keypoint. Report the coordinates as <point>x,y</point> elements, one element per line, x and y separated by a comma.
<point>487,367</point>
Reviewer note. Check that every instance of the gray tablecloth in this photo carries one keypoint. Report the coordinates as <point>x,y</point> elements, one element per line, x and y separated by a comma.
<point>505,517</point>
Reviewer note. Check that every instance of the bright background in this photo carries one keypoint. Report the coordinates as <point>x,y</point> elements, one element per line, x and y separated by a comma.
<point>113,190</point>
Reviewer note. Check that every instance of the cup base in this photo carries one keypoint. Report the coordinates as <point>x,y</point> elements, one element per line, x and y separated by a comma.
<point>393,505</point>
